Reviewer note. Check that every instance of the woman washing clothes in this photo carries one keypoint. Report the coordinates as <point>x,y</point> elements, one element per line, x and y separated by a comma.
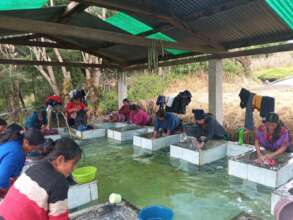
<point>138,116</point>
<point>41,192</point>
<point>76,112</point>
<point>274,137</point>
<point>206,128</point>
<point>166,124</point>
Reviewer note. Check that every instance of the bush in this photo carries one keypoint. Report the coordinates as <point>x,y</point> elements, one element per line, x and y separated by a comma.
<point>232,67</point>
<point>147,86</point>
<point>109,101</point>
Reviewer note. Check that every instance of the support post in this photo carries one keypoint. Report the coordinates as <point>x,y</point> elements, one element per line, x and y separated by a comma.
<point>122,88</point>
<point>216,89</point>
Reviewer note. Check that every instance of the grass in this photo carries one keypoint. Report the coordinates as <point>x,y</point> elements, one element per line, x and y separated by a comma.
<point>273,74</point>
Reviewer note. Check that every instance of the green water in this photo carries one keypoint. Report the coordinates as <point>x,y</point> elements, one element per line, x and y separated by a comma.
<point>207,193</point>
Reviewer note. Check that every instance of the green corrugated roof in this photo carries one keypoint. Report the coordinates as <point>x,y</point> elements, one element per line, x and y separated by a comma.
<point>21,4</point>
<point>161,36</point>
<point>128,23</point>
<point>136,27</point>
<point>284,9</point>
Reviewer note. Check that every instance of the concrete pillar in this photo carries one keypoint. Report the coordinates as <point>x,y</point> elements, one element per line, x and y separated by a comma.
<point>216,89</point>
<point>122,88</point>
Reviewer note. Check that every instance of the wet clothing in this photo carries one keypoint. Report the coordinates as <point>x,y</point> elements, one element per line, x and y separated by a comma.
<point>251,101</point>
<point>171,122</point>
<point>12,160</point>
<point>267,106</point>
<point>249,122</point>
<point>140,118</point>
<point>38,194</point>
<point>180,102</point>
<point>212,129</point>
<point>265,140</point>
<point>125,111</point>
<point>33,121</point>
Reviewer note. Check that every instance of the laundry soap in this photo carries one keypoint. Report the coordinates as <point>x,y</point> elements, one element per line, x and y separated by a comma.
<point>115,198</point>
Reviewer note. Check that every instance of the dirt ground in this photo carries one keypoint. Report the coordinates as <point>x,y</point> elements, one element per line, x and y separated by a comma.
<point>233,114</point>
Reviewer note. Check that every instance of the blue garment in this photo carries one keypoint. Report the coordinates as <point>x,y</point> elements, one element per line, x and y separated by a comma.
<point>249,123</point>
<point>12,160</point>
<point>33,121</point>
<point>171,122</point>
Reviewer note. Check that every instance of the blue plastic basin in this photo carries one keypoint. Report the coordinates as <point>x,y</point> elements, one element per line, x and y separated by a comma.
<point>155,213</point>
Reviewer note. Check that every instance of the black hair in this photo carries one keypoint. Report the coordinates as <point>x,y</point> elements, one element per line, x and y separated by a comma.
<point>2,122</point>
<point>13,132</point>
<point>133,107</point>
<point>161,113</point>
<point>65,147</point>
<point>274,118</point>
<point>126,100</point>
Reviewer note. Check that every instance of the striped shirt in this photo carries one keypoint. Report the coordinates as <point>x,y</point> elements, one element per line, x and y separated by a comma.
<point>38,194</point>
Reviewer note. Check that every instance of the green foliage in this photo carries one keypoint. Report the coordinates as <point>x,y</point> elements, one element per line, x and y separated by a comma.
<point>108,100</point>
<point>191,68</point>
<point>232,67</point>
<point>141,87</point>
<point>146,86</point>
<point>275,73</point>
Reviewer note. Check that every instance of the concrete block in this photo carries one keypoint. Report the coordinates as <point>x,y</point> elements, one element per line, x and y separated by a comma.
<point>214,150</point>
<point>245,167</point>
<point>145,141</point>
<point>237,169</point>
<point>88,134</point>
<point>125,133</point>
<point>234,149</point>
<point>283,192</point>
<point>79,195</point>
<point>176,152</point>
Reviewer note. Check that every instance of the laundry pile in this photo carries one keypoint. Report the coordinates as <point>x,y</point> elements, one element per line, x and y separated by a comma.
<point>175,104</point>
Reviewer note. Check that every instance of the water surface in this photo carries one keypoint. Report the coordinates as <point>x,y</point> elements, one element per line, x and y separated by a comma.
<point>207,193</point>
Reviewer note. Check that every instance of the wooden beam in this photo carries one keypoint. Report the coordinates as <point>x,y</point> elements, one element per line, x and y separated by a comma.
<point>55,29</point>
<point>147,11</point>
<point>241,53</point>
<point>53,63</point>
<point>72,8</point>
<point>38,44</point>
<point>129,6</point>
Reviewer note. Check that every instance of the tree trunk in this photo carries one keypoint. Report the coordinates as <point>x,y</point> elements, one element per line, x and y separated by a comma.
<point>67,84</point>
<point>46,72</point>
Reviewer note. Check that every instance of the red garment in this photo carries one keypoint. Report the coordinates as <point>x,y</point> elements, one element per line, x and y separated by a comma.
<point>72,105</point>
<point>54,98</point>
<point>140,118</point>
<point>125,111</point>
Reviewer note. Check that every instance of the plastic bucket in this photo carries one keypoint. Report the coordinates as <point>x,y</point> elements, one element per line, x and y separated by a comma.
<point>284,209</point>
<point>155,213</point>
